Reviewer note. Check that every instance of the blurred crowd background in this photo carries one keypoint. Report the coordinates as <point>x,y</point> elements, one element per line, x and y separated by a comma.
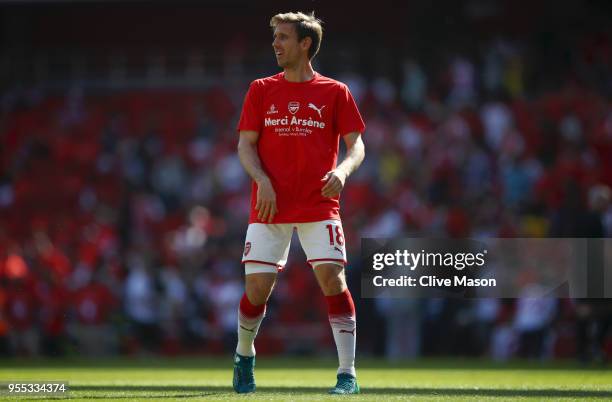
<point>123,205</point>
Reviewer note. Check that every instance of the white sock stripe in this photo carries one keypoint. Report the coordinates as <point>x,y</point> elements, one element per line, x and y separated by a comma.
<point>348,321</point>
<point>250,320</point>
<point>351,316</point>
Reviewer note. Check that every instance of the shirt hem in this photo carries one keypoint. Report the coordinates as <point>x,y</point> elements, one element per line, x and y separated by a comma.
<point>299,219</point>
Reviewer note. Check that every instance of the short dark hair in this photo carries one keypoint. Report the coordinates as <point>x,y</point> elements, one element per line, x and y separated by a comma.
<point>306,25</point>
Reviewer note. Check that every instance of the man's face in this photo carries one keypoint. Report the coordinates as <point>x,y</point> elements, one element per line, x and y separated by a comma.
<point>286,47</point>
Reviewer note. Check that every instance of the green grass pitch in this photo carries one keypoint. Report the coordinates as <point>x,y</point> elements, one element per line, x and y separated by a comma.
<point>299,379</point>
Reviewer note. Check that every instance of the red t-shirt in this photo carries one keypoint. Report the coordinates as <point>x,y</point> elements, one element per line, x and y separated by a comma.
<point>299,126</point>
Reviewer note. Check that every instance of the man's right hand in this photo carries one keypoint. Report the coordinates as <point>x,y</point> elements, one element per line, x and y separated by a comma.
<point>266,201</point>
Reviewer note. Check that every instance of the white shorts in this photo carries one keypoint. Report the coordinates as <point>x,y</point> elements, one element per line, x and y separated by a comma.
<point>266,247</point>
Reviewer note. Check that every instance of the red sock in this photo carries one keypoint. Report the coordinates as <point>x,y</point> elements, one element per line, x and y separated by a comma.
<point>248,309</point>
<point>340,304</point>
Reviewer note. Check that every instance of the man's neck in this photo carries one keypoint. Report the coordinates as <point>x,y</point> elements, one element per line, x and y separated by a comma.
<point>300,73</point>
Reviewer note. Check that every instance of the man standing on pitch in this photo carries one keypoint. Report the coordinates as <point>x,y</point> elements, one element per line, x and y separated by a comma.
<point>290,128</point>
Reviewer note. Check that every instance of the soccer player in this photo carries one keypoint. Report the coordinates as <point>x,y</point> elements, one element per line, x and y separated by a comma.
<point>290,128</point>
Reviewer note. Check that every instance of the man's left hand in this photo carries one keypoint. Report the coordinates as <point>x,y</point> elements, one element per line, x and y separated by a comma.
<point>334,183</point>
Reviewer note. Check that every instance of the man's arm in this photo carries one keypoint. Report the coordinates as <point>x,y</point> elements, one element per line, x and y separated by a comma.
<point>266,197</point>
<point>355,152</point>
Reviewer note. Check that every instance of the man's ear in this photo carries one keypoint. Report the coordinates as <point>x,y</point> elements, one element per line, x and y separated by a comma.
<point>306,43</point>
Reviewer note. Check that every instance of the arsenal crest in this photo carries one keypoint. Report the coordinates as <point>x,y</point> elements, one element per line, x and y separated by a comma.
<point>294,107</point>
<point>247,248</point>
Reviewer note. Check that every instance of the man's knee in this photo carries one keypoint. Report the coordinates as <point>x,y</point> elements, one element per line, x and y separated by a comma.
<point>331,279</point>
<point>335,285</point>
<point>259,287</point>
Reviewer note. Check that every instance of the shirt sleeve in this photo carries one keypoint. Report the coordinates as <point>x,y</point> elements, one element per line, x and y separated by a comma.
<point>250,117</point>
<point>348,118</point>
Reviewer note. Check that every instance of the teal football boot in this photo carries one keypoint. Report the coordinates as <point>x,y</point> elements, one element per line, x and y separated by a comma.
<point>347,384</point>
<point>244,378</point>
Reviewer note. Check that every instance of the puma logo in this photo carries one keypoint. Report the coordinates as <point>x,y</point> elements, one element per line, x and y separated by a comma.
<point>246,329</point>
<point>312,106</point>
<point>338,250</point>
<point>342,331</point>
